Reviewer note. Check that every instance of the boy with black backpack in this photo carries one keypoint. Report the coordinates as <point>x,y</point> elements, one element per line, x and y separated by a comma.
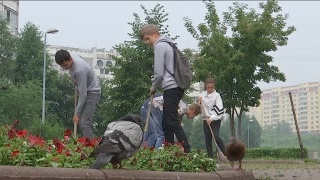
<point>173,78</point>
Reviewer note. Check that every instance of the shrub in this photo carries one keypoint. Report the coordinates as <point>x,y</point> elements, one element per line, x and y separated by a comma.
<point>278,153</point>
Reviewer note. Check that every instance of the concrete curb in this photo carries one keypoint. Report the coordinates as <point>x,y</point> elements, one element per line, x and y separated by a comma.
<point>47,173</point>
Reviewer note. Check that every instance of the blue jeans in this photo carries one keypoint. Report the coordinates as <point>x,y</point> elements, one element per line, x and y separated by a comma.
<point>155,131</point>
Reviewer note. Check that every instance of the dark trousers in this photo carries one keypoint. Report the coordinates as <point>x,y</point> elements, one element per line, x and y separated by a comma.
<point>215,126</point>
<point>170,123</point>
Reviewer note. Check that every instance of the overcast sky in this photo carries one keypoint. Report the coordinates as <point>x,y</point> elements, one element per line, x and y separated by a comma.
<point>102,24</point>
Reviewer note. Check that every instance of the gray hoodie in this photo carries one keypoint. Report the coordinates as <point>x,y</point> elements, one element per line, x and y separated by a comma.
<point>85,79</point>
<point>163,58</point>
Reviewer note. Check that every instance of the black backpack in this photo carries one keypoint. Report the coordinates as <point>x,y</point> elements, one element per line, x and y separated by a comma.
<point>182,69</point>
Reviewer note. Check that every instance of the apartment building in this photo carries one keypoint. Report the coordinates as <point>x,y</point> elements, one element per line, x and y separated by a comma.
<point>99,59</point>
<point>10,11</point>
<point>275,106</point>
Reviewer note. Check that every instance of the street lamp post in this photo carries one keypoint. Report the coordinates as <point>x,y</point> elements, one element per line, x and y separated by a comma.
<point>249,132</point>
<point>49,31</point>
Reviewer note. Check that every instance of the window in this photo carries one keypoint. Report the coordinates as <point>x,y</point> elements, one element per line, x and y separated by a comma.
<point>12,17</point>
<point>109,63</point>
<point>99,63</point>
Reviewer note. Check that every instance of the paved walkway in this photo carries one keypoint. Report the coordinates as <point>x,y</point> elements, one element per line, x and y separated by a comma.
<point>301,174</point>
<point>278,169</point>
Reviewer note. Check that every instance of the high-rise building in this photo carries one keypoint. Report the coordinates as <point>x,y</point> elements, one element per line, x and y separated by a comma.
<point>275,106</point>
<point>10,11</point>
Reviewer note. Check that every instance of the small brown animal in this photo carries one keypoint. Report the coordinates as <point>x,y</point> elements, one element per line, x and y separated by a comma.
<point>235,151</point>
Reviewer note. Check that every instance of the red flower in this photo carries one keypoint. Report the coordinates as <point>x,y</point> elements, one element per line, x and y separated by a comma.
<point>59,145</point>
<point>21,133</point>
<point>87,142</point>
<point>93,143</point>
<point>68,153</point>
<point>82,140</point>
<point>15,153</point>
<point>12,133</point>
<point>67,132</point>
<point>34,140</point>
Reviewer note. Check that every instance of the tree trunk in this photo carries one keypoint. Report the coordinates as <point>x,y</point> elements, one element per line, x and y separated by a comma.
<point>232,122</point>
<point>239,125</point>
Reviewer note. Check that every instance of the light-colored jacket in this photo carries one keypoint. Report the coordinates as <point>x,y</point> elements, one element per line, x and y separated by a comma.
<point>213,104</point>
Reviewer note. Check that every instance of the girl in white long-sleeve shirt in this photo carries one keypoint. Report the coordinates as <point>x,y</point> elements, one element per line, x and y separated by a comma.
<point>213,105</point>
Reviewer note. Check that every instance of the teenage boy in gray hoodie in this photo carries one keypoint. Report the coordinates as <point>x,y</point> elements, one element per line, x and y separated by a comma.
<point>87,86</point>
<point>163,64</point>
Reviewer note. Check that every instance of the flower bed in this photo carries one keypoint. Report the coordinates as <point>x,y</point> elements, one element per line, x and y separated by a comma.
<point>19,148</point>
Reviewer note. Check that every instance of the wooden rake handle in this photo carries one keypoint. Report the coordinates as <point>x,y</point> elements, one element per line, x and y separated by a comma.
<point>75,125</point>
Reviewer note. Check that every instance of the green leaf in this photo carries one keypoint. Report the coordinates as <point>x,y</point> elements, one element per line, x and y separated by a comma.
<point>54,164</point>
<point>41,159</point>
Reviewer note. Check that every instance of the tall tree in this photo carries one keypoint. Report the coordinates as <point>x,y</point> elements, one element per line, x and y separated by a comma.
<point>240,61</point>
<point>133,68</point>
<point>29,55</point>
<point>7,50</point>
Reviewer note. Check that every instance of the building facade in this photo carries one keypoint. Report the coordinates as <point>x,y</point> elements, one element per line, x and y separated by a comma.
<point>99,59</point>
<point>275,106</point>
<point>10,11</point>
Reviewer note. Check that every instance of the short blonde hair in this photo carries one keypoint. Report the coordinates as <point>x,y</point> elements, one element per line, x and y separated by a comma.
<point>149,29</point>
<point>195,107</point>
